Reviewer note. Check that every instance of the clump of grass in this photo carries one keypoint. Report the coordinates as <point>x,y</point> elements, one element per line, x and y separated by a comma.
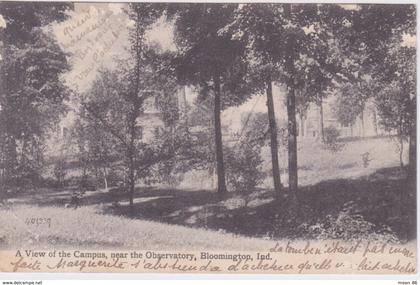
<point>348,227</point>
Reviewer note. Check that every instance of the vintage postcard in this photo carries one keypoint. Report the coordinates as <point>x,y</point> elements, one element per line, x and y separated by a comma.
<point>275,138</point>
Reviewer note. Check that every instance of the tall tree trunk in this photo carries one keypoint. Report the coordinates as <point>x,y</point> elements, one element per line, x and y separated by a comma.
<point>375,122</point>
<point>408,194</point>
<point>105,179</point>
<point>131,184</point>
<point>2,188</point>
<point>401,151</point>
<point>411,193</point>
<point>131,154</point>
<point>412,147</point>
<point>302,125</point>
<point>184,109</point>
<point>131,179</point>
<point>106,183</point>
<point>133,118</point>
<point>221,181</point>
<point>96,173</point>
<point>291,110</point>
<point>273,138</point>
<point>2,171</point>
<point>321,121</point>
<point>292,143</point>
<point>362,120</point>
<point>401,142</point>
<point>11,159</point>
<point>412,157</point>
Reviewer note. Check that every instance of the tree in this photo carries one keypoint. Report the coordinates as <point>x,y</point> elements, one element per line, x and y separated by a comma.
<point>347,107</point>
<point>212,59</point>
<point>313,61</point>
<point>302,106</point>
<point>317,90</point>
<point>244,161</point>
<point>31,92</point>
<point>394,115</point>
<point>309,59</point>
<point>352,99</point>
<point>95,146</point>
<point>293,45</point>
<point>112,105</point>
<point>117,102</point>
<point>377,34</point>
<point>262,39</point>
<point>396,99</point>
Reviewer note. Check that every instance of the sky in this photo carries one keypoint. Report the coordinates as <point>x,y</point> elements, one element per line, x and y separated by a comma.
<point>97,33</point>
<point>92,36</point>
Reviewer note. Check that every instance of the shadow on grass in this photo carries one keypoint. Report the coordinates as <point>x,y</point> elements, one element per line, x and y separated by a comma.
<point>374,199</point>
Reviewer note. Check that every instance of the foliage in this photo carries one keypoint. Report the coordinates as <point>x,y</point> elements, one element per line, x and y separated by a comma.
<point>60,171</point>
<point>212,60</point>
<point>294,45</point>
<point>206,52</point>
<point>394,110</point>
<point>22,18</point>
<point>113,116</point>
<point>348,227</point>
<point>379,38</point>
<point>396,103</point>
<point>244,168</point>
<point>96,152</point>
<point>244,161</point>
<point>31,92</point>
<point>346,107</point>
<point>202,50</point>
<point>331,139</point>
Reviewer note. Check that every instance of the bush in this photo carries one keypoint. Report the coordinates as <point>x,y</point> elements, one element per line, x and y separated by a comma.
<point>331,139</point>
<point>244,167</point>
<point>114,178</point>
<point>60,170</point>
<point>348,227</point>
<point>84,183</point>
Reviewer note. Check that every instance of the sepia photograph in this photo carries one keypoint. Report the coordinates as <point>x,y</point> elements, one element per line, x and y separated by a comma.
<point>273,138</point>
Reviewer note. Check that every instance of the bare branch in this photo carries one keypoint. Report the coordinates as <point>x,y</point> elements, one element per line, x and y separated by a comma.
<point>106,125</point>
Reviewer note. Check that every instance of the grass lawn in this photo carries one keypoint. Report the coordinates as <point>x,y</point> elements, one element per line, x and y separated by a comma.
<point>85,228</point>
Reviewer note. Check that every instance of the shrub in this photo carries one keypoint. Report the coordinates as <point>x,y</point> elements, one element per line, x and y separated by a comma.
<point>60,171</point>
<point>114,178</point>
<point>331,139</point>
<point>349,227</point>
<point>244,167</point>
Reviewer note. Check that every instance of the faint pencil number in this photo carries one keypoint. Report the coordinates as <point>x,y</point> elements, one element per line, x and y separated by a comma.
<point>38,221</point>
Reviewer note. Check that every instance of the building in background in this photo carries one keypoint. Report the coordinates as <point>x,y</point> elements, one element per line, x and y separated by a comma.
<point>364,126</point>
